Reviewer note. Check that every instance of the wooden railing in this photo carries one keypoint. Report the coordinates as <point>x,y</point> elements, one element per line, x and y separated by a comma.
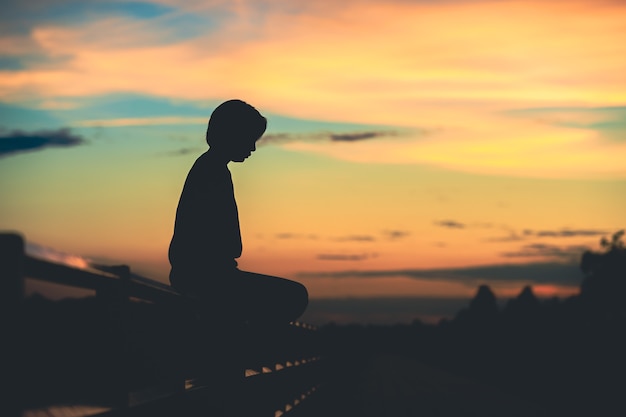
<point>134,346</point>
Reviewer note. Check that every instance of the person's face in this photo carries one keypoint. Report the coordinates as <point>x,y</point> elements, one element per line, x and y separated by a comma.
<point>243,149</point>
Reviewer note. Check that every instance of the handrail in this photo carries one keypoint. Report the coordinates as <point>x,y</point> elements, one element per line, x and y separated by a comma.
<point>119,283</point>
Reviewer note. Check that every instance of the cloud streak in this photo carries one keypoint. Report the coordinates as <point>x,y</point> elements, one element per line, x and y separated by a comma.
<point>282,138</point>
<point>565,232</point>
<point>18,141</point>
<point>566,274</point>
<point>569,253</point>
<point>451,224</point>
<point>344,257</point>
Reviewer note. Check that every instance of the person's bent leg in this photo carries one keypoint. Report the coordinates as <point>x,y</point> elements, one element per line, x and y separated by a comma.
<point>271,299</point>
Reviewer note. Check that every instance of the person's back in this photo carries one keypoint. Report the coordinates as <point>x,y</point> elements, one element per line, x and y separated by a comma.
<point>206,233</point>
<point>207,239</point>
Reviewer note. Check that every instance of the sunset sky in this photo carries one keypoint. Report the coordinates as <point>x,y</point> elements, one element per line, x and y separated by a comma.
<point>415,149</point>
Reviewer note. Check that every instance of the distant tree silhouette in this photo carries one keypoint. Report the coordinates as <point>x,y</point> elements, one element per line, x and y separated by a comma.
<point>484,304</point>
<point>604,286</point>
<point>524,307</point>
<point>482,312</point>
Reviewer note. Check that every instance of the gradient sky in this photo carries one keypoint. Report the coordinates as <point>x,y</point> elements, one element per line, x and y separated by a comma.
<point>414,148</point>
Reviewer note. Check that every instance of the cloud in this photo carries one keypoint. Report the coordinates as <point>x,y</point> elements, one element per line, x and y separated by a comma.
<point>355,238</point>
<point>396,234</point>
<point>566,274</point>
<point>344,257</point>
<point>353,137</point>
<point>358,237</point>
<point>514,236</point>
<point>452,224</point>
<point>299,236</point>
<point>565,232</point>
<point>282,138</point>
<point>19,141</point>
<point>569,253</point>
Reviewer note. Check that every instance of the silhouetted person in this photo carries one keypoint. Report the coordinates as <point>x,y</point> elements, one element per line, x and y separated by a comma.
<point>207,239</point>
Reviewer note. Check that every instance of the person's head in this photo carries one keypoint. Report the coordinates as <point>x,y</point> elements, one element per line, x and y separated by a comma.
<point>234,128</point>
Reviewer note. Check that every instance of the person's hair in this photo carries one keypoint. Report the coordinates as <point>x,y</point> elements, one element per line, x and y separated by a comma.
<point>233,120</point>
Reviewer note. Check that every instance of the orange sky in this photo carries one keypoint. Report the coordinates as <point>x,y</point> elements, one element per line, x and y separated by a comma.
<point>483,133</point>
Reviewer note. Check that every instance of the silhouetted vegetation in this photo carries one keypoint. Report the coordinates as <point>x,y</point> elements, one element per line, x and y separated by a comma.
<point>568,356</point>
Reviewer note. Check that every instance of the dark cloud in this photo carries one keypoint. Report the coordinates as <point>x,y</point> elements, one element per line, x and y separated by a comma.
<point>18,141</point>
<point>565,232</point>
<point>295,236</point>
<point>355,238</point>
<point>534,273</point>
<point>286,236</point>
<point>386,234</point>
<point>452,224</point>
<point>396,234</point>
<point>353,137</point>
<point>344,257</point>
<point>572,253</point>
<point>526,234</point>
<point>324,136</point>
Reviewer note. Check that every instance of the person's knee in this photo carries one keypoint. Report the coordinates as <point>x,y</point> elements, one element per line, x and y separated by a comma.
<point>300,297</point>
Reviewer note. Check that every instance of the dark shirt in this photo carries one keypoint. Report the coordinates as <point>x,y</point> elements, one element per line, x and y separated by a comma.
<point>206,232</point>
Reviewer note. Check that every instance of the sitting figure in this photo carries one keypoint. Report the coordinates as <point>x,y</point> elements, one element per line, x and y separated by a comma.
<point>207,239</point>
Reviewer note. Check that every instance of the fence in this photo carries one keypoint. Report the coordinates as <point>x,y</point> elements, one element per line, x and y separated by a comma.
<point>133,346</point>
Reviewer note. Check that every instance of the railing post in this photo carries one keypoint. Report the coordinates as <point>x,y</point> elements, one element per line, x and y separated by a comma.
<point>117,298</point>
<point>11,296</point>
<point>11,269</point>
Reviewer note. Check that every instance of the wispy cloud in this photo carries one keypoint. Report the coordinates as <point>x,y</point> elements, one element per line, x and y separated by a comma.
<point>281,138</point>
<point>355,238</point>
<point>345,257</point>
<point>395,234</point>
<point>452,224</point>
<point>527,234</point>
<point>288,236</point>
<point>565,232</point>
<point>353,137</point>
<point>567,274</point>
<point>19,141</point>
<point>542,250</point>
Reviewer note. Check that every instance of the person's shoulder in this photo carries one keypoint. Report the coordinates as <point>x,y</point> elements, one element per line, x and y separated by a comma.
<point>206,168</point>
<point>204,162</point>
